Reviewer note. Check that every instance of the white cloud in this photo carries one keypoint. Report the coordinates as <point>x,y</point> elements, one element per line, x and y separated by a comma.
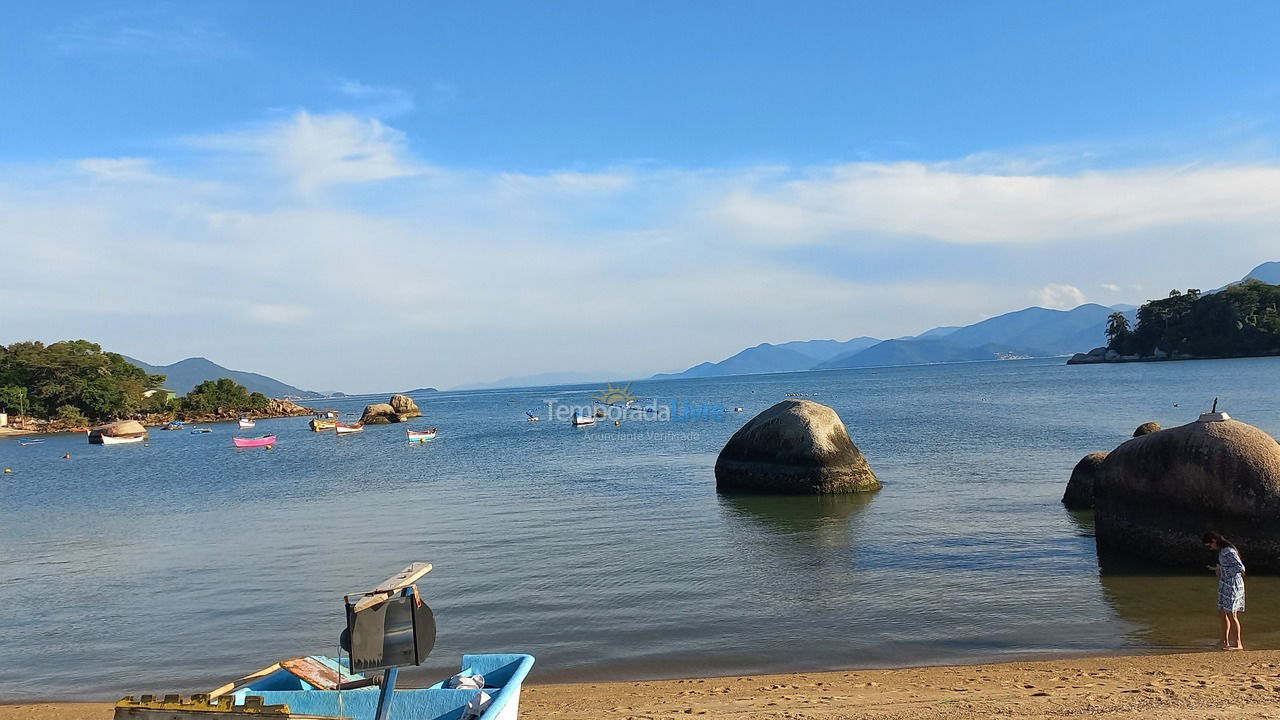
<point>1059,297</point>
<point>317,151</point>
<point>451,276</point>
<point>1110,287</point>
<point>939,202</point>
<point>377,101</point>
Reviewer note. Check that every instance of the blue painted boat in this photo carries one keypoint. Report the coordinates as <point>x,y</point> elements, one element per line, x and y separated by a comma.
<point>388,627</point>
<point>30,441</point>
<point>306,694</point>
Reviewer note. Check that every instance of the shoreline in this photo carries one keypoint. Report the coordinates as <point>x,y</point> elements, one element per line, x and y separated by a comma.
<point>1223,685</point>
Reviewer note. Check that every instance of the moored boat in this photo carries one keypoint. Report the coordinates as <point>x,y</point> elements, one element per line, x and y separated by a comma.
<point>580,420</point>
<point>30,441</point>
<point>348,429</point>
<point>175,425</point>
<point>246,423</point>
<point>264,441</point>
<point>201,431</point>
<point>421,435</point>
<point>322,424</point>
<point>118,433</point>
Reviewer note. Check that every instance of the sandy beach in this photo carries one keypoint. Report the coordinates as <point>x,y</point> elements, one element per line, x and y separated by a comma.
<point>1220,685</point>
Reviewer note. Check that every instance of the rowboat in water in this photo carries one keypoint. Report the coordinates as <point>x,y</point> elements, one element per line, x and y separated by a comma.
<point>30,441</point>
<point>322,424</point>
<point>580,420</point>
<point>201,431</point>
<point>264,441</point>
<point>348,429</point>
<point>421,435</point>
<point>246,423</point>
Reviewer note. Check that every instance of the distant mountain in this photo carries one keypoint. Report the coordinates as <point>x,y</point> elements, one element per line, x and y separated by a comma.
<point>1268,272</point>
<point>821,350</point>
<point>793,356</point>
<point>1042,331</point>
<point>184,375</point>
<point>937,332</point>
<point>920,352</point>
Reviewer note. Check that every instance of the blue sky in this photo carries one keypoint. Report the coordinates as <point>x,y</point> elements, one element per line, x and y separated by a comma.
<point>481,190</point>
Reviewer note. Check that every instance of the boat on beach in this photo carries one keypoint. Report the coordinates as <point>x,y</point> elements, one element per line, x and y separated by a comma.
<point>246,423</point>
<point>387,628</point>
<point>348,429</point>
<point>421,435</point>
<point>264,441</point>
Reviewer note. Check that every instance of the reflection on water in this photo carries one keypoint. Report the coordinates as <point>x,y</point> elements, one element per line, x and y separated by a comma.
<point>1180,611</point>
<point>1083,522</point>
<point>825,521</point>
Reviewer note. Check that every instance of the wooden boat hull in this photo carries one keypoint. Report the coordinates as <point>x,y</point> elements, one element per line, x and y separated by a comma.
<point>421,435</point>
<point>348,429</point>
<point>115,439</point>
<point>320,425</point>
<point>582,421</point>
<point>246,424</point>
<point>265,441</point>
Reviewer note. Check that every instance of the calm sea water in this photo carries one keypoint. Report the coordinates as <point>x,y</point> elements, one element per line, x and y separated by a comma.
<point>605,551</point>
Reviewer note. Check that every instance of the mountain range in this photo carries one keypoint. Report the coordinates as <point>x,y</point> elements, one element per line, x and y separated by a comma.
<point>184,375</point>
<point>1030,332</point>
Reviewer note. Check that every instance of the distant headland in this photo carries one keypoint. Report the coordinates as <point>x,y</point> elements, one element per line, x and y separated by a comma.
<point>1240,320</point>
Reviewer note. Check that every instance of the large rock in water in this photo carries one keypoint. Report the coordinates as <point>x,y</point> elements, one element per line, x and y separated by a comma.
<point>1157,494</point>
<point>401,408</point>
<point>794,447</point>
<point>1079,494</point>
<point>405,407</point>
<point>1146,428</point>
<point>379,414</point>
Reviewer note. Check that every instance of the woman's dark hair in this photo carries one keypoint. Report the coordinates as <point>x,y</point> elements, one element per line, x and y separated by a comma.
<point>1214,536</point>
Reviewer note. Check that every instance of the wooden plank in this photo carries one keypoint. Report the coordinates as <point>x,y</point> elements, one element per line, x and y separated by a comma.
<point>237,684</point>
<point>400,580</point>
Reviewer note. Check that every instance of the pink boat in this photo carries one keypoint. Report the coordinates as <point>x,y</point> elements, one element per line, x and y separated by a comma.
<point>264,441</point>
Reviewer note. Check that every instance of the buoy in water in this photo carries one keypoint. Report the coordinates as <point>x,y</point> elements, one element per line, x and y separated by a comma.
<point>268,447</point>
<point>7,471</point>
<point>616,423</point>
<point>67,456</point>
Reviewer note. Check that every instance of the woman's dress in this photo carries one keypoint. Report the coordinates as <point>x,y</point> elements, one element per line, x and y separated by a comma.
<point>1230,580</point>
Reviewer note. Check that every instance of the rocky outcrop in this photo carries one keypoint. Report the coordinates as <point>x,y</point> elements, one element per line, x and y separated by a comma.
<point>1155,495</point>
<point>794,447</point>
<point>1096,355</point>
<point>401,408</point>
<point>405,407</point>
<point>1079,494</point>
<point>1146,428</point>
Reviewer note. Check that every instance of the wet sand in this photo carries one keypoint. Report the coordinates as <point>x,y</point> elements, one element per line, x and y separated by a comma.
<point>1220,685</point>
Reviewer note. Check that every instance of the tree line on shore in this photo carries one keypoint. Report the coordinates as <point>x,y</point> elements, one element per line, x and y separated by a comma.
<point>74,382</point>
<point>1242,320</point>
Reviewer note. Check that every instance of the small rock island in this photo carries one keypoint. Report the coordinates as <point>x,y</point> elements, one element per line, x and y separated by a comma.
<point>794,447</point>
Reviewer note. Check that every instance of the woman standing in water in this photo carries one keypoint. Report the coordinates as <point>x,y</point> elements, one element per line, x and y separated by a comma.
<point>1230,570</point>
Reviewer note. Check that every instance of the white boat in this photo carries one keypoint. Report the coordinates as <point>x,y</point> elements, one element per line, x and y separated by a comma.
<point>421,435</point>
<point>120,439</point>
<point>348,429</point>
<point>246,423</point>
<point>579,420</point>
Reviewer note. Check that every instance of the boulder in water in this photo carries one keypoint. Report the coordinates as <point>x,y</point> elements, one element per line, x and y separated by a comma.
<point>379,414</point>
<point>1079,494</point>
<point>794,447</point>
<point>405,407</point>
<point>1157,494</point>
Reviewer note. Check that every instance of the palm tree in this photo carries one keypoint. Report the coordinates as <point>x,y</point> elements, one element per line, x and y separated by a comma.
<point>1117,328</point>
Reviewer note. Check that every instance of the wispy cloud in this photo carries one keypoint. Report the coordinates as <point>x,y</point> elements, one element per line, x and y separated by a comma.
<point>1057,296</point>
<point>176,32</point>
<point>316,151</point>
<point>377,101</point>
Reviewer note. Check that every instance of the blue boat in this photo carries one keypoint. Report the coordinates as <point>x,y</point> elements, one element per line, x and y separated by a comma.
<point>30,441</point>
<point>388,627</point>
<point>306,692</point>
